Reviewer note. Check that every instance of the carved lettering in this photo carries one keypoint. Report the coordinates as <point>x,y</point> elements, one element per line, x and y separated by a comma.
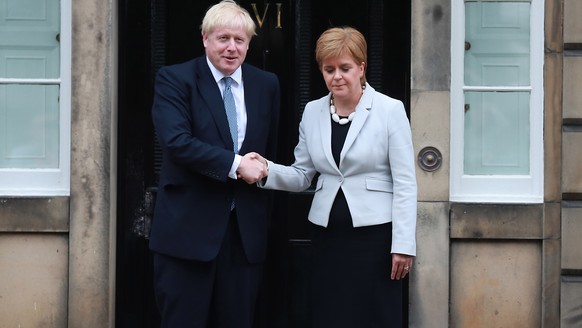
<point>261,18</point>
<point>279,15</point>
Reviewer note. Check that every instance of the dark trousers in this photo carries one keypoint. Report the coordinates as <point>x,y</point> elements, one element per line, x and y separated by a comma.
<point>218,294</point>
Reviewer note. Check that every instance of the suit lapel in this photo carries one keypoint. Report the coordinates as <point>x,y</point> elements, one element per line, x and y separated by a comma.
<point>362,112</point>
<point>210,92</point>
<point>252,93</point>
<point>325,128</point>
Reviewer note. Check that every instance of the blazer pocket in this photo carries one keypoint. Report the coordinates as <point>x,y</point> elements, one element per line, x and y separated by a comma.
<point>379,185</point>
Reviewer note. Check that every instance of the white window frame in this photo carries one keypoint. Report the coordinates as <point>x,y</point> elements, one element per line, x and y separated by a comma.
<point>48,182</point>
<point>497,188</point>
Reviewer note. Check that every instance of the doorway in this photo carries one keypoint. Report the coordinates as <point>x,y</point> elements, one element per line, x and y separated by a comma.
<point>161,32</point>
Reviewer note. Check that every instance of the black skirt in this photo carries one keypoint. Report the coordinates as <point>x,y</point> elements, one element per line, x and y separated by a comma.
<point>351,285</point>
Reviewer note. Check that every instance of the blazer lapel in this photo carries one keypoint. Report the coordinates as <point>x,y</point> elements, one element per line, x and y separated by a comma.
<point>325,128</point>
<point>252,94</point>
<point>362,112</point>
<point>210,92</point>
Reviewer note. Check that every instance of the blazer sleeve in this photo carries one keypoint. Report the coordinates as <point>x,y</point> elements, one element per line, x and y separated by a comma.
<point>402,166</point>
<point>298,176</point>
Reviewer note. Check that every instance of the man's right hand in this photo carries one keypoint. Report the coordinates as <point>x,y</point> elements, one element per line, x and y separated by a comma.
<point>252,168</point>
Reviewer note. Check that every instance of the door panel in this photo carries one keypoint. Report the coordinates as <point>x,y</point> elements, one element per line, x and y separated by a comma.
<point>497,133</point>
<point>29,35</point>
<point>167,31</point>
<point>29,49</point>
<point>497,55</point>
<point>498,51</point>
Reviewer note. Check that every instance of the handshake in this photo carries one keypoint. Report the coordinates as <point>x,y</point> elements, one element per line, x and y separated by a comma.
<point>253,167</point>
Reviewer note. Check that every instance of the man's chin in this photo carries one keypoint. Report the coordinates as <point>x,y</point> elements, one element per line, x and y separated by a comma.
<point>230,67</point>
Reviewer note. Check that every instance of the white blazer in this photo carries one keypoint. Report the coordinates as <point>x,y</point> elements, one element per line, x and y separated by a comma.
<point>376,171</point>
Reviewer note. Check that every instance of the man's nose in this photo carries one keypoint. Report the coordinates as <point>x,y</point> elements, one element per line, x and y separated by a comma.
<point>231,44</point>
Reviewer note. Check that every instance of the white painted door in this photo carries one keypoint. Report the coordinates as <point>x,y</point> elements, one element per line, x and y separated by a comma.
<point>29,92</point>
<point>497,116</point>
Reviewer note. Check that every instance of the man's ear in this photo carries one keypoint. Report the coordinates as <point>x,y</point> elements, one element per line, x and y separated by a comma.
<point>204,39</point>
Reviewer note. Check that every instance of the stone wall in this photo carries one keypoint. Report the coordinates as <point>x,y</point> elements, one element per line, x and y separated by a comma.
<point>571,260</point>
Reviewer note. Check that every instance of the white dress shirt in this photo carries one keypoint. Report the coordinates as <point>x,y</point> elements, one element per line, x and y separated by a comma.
<point>238,93</point>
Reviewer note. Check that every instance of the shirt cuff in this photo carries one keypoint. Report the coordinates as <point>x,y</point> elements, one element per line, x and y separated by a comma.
<point>234,167</point>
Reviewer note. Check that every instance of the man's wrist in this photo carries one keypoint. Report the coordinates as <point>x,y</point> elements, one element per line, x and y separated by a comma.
<point>234,168</point>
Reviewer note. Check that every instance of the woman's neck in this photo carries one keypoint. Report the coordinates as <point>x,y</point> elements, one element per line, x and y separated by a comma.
<point>346,105</point>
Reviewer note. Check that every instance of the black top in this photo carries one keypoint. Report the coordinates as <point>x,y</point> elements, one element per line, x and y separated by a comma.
<point>340,213</point>
<point>338,137</point>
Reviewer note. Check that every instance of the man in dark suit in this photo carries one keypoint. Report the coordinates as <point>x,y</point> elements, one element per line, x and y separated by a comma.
<point>209,232</point>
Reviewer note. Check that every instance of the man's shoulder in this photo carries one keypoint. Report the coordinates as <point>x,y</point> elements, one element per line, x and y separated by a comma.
<point>184,72</point>
<point>182,66</point>
<point>255,72</point>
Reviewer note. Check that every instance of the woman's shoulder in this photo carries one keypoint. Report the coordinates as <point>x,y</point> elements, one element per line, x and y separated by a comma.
<point>316,104</point>
<point>386,100</point>
<point>383,104</point>
<point>319,101</point>
<point>386,107</point>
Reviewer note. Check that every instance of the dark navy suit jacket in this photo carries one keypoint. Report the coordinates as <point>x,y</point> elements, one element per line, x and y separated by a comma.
<point>195,193</point>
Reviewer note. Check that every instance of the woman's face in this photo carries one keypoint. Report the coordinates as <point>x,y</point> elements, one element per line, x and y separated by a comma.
<point>343,76</point>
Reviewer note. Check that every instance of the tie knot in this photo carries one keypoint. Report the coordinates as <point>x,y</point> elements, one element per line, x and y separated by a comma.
<point>227,81</point>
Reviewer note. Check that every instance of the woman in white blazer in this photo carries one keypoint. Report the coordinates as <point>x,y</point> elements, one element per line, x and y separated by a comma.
<point>363,213</point>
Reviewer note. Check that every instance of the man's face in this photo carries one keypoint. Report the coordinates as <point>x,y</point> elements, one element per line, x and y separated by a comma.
<point>226,48</point>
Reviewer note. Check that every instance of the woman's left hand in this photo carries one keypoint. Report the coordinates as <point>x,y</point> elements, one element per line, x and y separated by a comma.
<point>401,265</point>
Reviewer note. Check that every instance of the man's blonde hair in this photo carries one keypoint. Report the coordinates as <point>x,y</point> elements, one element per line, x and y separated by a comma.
<point>227,13</point>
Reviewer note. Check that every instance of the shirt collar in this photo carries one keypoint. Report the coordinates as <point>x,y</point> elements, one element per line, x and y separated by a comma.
<point>236,76</point>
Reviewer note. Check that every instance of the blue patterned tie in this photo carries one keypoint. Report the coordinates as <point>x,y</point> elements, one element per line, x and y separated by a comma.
<point>231,112</point>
